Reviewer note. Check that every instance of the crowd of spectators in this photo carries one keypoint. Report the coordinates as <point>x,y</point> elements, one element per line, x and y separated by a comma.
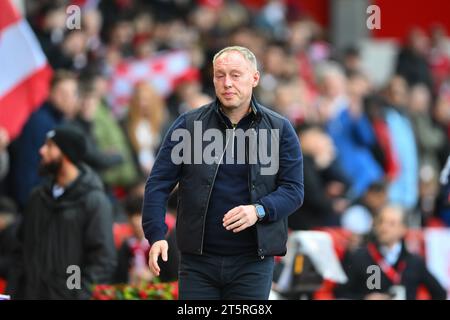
<point>363,146</point>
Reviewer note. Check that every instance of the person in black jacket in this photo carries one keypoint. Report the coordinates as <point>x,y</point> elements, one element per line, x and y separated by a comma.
<point>325,184</point>
<point>65,239</point>
<point>233,201</point>
<point>412,61</point>
<point>385,269</point>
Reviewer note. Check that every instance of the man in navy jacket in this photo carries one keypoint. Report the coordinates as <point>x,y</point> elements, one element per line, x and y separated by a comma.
<point>240,174</point>
<point>61,105</point>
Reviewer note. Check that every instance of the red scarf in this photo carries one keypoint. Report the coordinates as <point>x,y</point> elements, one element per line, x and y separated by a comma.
<point>393,274</point>
<point>139,252</point>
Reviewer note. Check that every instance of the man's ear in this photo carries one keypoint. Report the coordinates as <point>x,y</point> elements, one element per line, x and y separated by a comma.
<point>256,76</point>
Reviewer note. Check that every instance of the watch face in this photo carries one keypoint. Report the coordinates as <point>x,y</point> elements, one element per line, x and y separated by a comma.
<point>260,211</point>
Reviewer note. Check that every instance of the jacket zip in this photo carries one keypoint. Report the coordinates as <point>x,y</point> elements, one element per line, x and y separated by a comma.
<point>248,160</point>
<point>250,189</point>
<point>212,185</point>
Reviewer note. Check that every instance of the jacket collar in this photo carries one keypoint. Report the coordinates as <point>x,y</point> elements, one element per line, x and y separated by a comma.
<point>255,106</point>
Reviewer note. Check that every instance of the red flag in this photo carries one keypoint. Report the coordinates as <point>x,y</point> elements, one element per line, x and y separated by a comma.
<point>162,71</point>
<point>24,71</point>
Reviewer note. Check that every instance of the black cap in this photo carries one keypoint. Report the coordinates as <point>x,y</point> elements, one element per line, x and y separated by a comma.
<point>71,141</point>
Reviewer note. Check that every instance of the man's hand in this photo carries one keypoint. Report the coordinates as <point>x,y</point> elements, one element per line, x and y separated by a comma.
<point>240,218</point>
<point>158,248</point>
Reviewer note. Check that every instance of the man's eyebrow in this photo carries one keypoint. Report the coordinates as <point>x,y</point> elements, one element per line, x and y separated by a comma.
<point>232,71</point>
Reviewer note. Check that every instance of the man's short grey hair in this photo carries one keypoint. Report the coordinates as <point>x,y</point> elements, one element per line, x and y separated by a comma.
<point>246,53</point>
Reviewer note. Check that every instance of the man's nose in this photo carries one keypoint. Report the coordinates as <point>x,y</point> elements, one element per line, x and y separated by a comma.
<point>227,82</point>
<point>41,151</point>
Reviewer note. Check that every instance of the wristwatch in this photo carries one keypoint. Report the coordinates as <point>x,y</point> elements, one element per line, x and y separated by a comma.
<point>260,212</point>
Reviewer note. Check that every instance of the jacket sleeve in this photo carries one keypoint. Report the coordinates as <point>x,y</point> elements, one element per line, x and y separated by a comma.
<point>163,178</point>
<point>101,258</point>
<point>288,196</point>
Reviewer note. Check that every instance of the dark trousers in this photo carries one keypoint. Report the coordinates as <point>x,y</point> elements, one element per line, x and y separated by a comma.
<point>211,277</point>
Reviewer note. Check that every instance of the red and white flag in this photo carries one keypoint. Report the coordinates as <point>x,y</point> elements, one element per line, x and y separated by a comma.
<point>162,72</point>
<point>24,71</point>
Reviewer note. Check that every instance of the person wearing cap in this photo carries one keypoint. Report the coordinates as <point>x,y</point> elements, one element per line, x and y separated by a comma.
<point>67,225</point>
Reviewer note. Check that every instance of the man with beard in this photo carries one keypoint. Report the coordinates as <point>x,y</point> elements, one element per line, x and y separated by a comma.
<point>65,239</point>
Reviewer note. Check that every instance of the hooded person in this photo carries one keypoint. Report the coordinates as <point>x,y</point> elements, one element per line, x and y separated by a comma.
<point>65,240</point>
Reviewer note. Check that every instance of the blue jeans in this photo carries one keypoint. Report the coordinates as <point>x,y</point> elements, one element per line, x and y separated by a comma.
<point>211,277</point>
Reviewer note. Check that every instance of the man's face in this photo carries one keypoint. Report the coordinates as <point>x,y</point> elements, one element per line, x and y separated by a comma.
<point>234,80</point>
<point>389,227</point>
<point>51,159</point>
<point>65,97</point>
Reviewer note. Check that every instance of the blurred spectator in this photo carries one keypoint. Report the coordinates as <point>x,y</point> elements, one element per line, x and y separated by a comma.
<point>401,272</point>
<point>133,254</point>
<point>383,150</point>
<point>351,61</point>
<point>439,59</point>
<point>143,46</point>
<point>430,140</point>
<point>350,130</point>
<point>145,119</point>
<point>89,102</point>
<point>300,36</point>
<point>92,23</point>
<point>132,264</point>
<point>73,55</point>
<point>320,208</point>
<point>107,133</point>
<point>61,105</point>
<point>120,39</point>
<point>274,66</point>
<point>403,189</point>
<point>49,25</point>
<point>358,87</point>
<point>68,221</point>
<point>290,99</point>
<point>271,18</point>
<point>188,95</point>
<point>359,217</point>
<point>412,61</point>
<point>112,139</point>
